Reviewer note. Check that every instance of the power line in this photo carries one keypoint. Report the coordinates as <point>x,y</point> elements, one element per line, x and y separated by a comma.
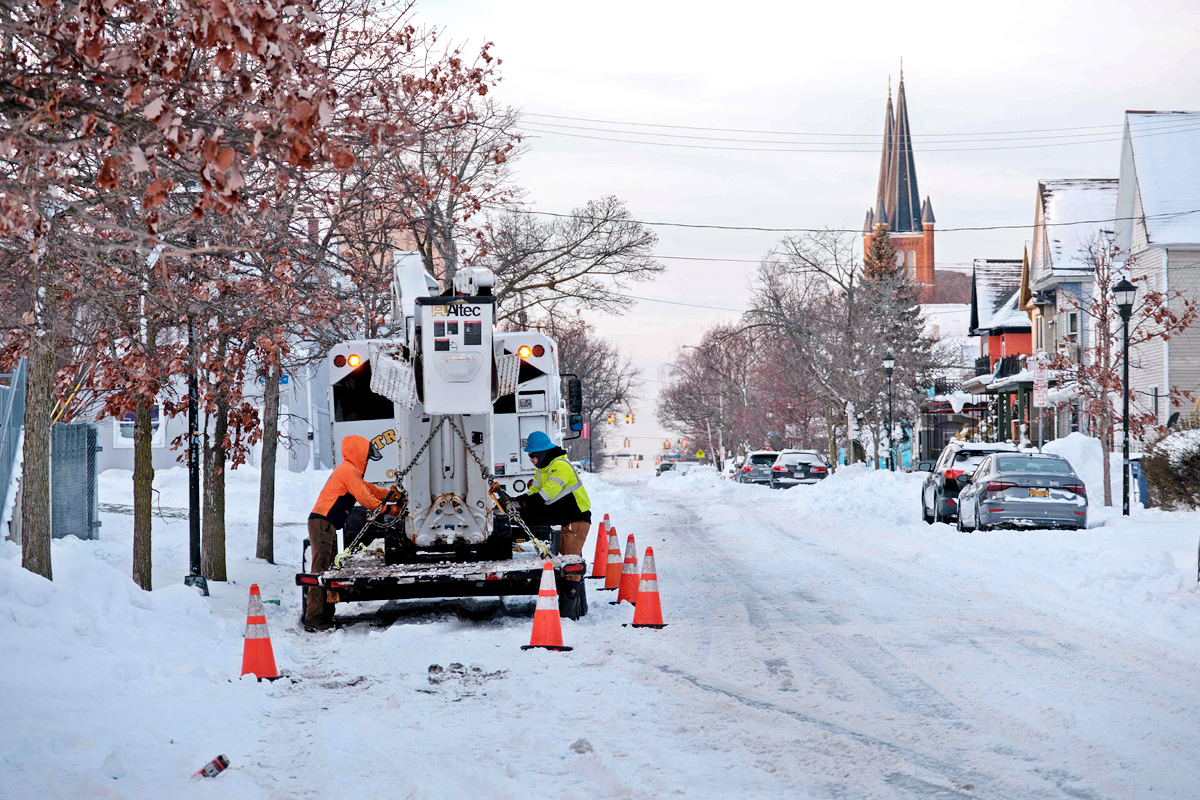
<point>1101,140</point>
<point>925,139</point>
<point>802,133</point>
<point>761,229</point>
<point>679,303</point>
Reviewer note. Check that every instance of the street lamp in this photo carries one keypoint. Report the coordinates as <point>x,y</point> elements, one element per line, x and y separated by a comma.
<point>889,362</point>
<point>1124,293</point>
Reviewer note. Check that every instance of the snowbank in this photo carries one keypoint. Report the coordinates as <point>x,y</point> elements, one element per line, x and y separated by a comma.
<point>110,691</point>
<point>294,491</point>
<point>1086,457</point>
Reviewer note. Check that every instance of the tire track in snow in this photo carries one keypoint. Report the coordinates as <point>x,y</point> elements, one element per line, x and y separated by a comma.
<point>871,660</point>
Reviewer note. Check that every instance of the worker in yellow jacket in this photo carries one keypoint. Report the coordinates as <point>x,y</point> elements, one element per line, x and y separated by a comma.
<point>556,497</point>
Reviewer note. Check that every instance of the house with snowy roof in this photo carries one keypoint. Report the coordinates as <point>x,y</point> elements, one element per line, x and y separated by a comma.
<point>996,314</point>
<point>1158,232</point>
<point>1072,217</point>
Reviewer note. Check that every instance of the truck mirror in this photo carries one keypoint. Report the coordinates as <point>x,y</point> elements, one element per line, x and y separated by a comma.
<point>575,400</point>
<point>576,421</point>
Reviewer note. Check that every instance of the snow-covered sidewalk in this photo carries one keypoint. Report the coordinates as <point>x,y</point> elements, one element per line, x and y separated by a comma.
<point>822,642</point>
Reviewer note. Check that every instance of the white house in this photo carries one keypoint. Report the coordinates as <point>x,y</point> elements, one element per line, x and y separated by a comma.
<point>1158,231</point>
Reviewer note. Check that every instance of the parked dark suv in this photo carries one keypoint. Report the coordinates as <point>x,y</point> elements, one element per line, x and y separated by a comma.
<point>939,494</point>
<point>794,467</point>
<point>757,467</point>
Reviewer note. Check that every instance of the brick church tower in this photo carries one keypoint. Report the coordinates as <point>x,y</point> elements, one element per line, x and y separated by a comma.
<point>898,207</point>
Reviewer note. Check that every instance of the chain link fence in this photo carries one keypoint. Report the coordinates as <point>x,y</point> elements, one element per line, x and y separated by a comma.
<point>74,507</point>
<point>12,419</point>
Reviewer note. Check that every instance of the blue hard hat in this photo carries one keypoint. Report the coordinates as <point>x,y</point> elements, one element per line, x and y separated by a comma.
<point>538,442</point>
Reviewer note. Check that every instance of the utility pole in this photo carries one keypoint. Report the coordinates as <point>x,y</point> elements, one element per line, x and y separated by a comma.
<point>194,578</point>
<point>889,362</point>
<point>1124,293</point>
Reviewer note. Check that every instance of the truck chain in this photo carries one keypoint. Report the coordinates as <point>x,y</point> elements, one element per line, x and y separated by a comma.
<point>538,544</point>
<point>373,516</point>
<point>489,479</point>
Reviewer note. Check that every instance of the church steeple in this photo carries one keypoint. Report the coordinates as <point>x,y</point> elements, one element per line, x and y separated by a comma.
<point>898,207</point>
<point>903,199</point>
<point>885,160</point>
<point>897,192</point>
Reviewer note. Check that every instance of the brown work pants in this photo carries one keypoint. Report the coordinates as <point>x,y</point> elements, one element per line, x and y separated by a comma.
<point>322,538</point>
<point>570,541</point>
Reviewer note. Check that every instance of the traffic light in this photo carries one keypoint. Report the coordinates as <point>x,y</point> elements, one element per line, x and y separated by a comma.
<point>666,444</point>
<point>612,418</point>
<point>685,444</point>
<point>628,418</point>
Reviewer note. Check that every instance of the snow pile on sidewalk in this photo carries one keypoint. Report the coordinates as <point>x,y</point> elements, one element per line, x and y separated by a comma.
<point>295,492</point>
<point>110,691</point>
<point>1086,457</point>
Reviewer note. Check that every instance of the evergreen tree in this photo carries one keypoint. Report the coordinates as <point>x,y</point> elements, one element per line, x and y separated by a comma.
<point>892,303</point>
<point>880,258</point>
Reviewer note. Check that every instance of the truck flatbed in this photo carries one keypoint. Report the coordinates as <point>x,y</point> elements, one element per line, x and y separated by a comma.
<point>365,576</point>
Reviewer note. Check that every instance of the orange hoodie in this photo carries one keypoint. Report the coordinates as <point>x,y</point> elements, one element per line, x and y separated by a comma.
<point>346,485</point>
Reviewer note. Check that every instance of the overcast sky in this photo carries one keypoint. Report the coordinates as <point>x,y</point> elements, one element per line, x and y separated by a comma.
<point>973,74</point>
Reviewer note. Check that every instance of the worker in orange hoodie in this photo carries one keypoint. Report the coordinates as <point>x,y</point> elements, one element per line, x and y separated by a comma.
<point>344,487</point>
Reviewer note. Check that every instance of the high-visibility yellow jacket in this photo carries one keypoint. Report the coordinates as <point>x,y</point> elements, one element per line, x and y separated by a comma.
<point>558,486</point>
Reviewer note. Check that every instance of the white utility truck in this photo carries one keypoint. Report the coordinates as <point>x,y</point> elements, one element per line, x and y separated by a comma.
<point>448,404</point>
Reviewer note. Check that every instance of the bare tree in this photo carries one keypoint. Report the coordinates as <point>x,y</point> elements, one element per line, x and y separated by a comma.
<point>585,259</point>
<point>610,381</point>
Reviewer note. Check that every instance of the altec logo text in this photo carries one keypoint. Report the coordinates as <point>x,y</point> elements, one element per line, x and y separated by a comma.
<point>457,311</point>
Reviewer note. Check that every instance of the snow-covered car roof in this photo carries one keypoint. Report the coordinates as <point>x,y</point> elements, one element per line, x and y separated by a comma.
<point>985,447</point>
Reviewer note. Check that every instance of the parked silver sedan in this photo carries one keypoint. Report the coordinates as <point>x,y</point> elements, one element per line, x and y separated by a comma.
<point>1022,490</point>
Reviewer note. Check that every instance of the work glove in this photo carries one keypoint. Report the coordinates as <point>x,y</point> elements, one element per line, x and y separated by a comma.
<point>393,510</point>
<point>393,495</point>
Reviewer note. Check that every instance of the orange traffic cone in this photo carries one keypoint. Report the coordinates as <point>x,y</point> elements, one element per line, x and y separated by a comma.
<point>257,656</point>
<point>600,559</point>
<point>648,613</point>
<point>612,578</point>
<point>547,627</point>
<point>629,575</point>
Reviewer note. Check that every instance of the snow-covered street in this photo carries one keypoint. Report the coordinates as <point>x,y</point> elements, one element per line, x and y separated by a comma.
<point>822,642</point>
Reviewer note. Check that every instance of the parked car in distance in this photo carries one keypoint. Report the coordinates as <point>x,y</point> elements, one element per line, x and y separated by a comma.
<point>731,469</point>
<point>794,467</point>
<point>1022,490</point>
<point>939,493</point>
<point>665,466</point>
<point>757,467</point>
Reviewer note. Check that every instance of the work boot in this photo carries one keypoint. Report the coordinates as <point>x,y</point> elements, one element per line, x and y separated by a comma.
<point>318,624</point>
<point>572,597</point>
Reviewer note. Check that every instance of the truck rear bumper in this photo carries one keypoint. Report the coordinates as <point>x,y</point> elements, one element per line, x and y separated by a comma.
<point>367,578</point>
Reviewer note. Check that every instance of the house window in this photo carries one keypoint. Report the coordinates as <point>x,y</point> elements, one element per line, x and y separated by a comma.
<point>1073,323</point>
<point>1154,402</point>
<point>912,258</point>
<point>123,429</point>
<point>899,258</point>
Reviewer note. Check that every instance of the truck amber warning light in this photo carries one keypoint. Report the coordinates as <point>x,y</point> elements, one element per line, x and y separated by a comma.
<point>523,351</point>
<point>354,360</point>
